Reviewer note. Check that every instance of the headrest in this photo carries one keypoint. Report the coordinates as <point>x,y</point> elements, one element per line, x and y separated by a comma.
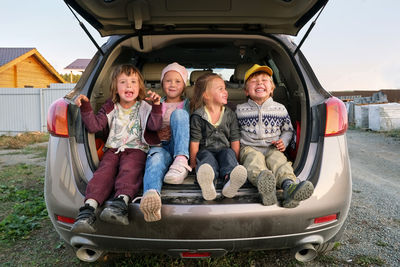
<point>196,74</point>
<point>240,70</point>
<point>152,71</point>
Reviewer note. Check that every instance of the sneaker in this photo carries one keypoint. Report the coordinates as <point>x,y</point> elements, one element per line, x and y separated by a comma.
<point>177,172</point>
<point>85,220</point>
<point>295,193</point>
<point>205,178</point>
<point>266,185</point>
<point>150,205</point>
<point>237,178</point>
<point>116,213</point>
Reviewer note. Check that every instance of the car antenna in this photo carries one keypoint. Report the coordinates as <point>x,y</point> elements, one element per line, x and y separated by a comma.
<point>86,30</point>
<point>308,31</point>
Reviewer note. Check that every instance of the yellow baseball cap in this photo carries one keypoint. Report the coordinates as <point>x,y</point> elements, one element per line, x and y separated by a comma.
<point>257,68</point>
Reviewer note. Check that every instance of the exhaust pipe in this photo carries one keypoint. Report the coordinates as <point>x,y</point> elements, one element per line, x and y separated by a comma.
<point>88,254</point>
<point>305,253</point>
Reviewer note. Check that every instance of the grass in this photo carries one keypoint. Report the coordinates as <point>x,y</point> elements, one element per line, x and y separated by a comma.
<point>22,190</point>
<point>363,260</point>
<point>37,151</point>
<point>22,140</point>
<point>381,243</point>
<point>393,133</point>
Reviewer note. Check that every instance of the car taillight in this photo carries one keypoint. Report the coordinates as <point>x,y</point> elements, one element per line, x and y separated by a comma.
<point>336,117</point>
<point>57,121</point>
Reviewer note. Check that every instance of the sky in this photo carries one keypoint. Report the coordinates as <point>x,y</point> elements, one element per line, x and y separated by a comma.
<point>353,46</point>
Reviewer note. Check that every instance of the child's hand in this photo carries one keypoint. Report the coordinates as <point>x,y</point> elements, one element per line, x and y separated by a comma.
<point>192,164</point>
<point>153,97</point>
<point>79,99</point>
<point>279,145</point>
<point>164,133</point>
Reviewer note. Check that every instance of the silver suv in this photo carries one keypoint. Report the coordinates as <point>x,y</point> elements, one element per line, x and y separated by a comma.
<point>224,37</point>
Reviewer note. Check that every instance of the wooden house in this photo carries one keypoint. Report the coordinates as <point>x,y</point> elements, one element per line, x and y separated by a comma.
<point>26,67</point>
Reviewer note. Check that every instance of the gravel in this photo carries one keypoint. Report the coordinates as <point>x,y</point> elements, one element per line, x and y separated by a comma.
<point>372,235</point>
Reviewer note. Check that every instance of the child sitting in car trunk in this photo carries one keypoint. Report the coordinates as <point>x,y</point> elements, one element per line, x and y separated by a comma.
<point>214,138</point>
<point>122,165</point>
<point>168,160</point>
<point>266,131</point>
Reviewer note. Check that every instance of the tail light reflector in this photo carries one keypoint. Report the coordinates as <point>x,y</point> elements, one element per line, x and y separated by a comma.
<point>57,121</point>
<point>195,254</point>
<point>65,219</point>
<point>336,117</point>
<point>325,219</point>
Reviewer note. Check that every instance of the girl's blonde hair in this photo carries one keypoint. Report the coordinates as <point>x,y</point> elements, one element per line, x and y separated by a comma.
<point>128,70</point>
<point>255,74</point>
<point>200,87</point>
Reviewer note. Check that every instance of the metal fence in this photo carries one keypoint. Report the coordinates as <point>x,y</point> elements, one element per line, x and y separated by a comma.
<point>25,109</point>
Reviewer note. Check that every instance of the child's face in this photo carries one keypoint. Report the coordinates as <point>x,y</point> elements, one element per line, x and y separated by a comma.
<point>173,86</point>
<point>259,88</point>
<point>216,93</point>
<point>127,89</point>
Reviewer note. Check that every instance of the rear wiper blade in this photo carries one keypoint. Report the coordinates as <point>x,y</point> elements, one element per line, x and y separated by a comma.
<point>86,30</point>
<point>308,31</point>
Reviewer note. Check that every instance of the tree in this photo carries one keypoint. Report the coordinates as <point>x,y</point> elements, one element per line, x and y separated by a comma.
<point>67,77</point>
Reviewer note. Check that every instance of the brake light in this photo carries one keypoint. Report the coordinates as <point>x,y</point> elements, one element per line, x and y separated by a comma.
<point>195,254</point>
<point>336,117</point>
<point>65,219</point>
<point>327,218</point>
<point>57,121</point>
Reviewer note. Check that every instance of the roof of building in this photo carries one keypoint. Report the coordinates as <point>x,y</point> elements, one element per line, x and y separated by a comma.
<point>78,64</point>
<point>10,56</point>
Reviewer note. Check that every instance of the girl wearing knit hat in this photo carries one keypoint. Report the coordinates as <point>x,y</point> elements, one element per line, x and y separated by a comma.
<point>174,142</point>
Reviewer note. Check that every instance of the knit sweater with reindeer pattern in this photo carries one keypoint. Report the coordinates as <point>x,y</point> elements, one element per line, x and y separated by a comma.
<point>262,124</point>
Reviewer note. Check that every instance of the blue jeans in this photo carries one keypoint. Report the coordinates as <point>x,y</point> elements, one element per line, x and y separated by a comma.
<point>160,158</point>
<point>222,161</point>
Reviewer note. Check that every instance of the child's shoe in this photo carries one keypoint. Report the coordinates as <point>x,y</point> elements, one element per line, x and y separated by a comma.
<point>85,220</point>
<point>266,185</point>
<point>295,193</point>
<point>177,172</point>
<point>237,178</point>
<point>116,213</point>
<point>150,205</point>
<point>205,178</point>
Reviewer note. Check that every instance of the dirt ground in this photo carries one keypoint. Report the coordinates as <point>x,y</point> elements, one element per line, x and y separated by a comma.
<point>371,237</point>
<point>16,156</point>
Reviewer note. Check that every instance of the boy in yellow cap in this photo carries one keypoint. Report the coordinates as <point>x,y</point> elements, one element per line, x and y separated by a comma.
<point>266,131</point>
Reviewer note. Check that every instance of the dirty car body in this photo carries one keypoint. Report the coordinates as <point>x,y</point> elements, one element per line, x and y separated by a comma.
<point>225,37</point>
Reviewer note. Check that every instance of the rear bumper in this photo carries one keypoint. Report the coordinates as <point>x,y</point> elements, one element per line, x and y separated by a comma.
<point>216,247</point>
<point>216,226</point>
